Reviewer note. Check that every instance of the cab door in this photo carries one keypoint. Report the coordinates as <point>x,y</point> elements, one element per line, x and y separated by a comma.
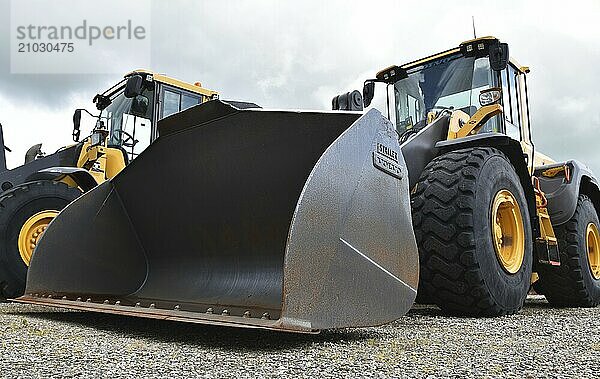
<point>515,103</point>
<point>511,103</point>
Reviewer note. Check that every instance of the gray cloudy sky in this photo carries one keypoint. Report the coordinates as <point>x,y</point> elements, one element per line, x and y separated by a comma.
<point>299,54</point>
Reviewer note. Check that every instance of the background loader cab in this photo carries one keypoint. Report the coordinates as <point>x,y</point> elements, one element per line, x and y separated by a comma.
<point>130,109</point>
<point>36,192</point>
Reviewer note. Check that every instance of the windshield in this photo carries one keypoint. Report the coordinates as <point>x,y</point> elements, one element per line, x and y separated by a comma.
<point>130,121</point>
<point>449,83</point>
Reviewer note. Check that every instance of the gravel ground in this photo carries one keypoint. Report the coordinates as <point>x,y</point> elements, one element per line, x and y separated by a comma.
<point>538,342</point>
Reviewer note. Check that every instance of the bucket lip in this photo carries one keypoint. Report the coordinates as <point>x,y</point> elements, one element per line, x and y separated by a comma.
<point>168,314</point>
<point>231,110</point>
<point>304,111</point>
<point>291,110</point>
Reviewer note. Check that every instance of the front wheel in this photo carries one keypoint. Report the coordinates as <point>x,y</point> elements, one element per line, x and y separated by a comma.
<point>25,212</point>
<point>473,231</point>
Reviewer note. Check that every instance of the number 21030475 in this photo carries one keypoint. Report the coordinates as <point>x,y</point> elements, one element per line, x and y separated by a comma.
<point>48,47</point>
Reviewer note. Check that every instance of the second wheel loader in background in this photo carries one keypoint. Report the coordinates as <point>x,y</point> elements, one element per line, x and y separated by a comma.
<point>34,193</point>
<point>301,221</point>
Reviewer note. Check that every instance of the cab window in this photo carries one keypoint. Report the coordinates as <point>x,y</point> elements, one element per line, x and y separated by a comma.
<point>130,121</point>
<point>514,96</point>
<point>174,101</point>
<point>189,101</point>
<point>170,103</point>
<point>453,82</point>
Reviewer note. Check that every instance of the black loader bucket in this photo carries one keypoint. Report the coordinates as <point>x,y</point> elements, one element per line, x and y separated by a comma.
<point>285,220</point>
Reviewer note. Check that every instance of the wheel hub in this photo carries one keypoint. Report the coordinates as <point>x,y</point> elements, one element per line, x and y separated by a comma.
<point>593,249</point>
<point>508,232</point>
<point>32,231</point>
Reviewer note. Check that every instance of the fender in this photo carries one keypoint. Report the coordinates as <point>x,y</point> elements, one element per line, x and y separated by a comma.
<point>420,149</point>
<point>512,149</point>
<point>562,189</point>
<point>64,157</point>
<point>80,176</point>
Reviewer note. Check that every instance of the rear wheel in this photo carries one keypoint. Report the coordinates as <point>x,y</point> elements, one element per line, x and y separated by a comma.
<point>474,233</point>
<point>576,282</point>
<point>25,212</point>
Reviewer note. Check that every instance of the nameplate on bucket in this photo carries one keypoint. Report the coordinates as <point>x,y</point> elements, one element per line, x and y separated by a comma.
<point>386,160</point>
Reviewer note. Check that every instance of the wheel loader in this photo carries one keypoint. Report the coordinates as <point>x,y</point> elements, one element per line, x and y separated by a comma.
<point>300,221</point>
<point>33,194</point>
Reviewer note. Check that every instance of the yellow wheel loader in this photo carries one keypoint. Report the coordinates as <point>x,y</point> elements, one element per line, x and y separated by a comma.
<point>301,221</point>
<point>33,194</point>
<point>488,209</point>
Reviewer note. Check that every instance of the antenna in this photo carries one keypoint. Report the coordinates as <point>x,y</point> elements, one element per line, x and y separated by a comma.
<point>474,34</point>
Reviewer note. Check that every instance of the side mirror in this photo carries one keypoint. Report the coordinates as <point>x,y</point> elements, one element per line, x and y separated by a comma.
<point>76,125</point>
<point>498,56</point>
<point>368,92</point>
<point>133,87</point>
<point>139,106</point>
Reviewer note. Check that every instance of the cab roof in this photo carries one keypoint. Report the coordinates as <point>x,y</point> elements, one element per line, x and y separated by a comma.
<point>409,65</point>
<point>161,78</point>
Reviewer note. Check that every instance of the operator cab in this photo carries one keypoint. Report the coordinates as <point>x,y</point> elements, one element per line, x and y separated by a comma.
<point>130,109</point>
<point>461,81</point>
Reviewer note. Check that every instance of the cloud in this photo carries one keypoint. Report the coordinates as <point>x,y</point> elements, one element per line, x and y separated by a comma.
<point>44,125</point>
<point>301,54</point>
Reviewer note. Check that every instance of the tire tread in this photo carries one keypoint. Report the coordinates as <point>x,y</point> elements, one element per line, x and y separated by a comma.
<point>443,206</point>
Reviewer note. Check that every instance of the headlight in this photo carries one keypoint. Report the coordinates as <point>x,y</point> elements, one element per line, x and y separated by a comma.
<point>490,96</point>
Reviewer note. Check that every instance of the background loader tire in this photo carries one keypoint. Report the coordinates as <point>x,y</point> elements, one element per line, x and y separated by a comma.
<point>572,283</point>
<point>17,206</point>
<point>451,205</point>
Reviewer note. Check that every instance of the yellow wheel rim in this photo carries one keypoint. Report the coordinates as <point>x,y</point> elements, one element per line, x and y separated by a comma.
<point>508,231</point>
<point>32,231</point>
<point>593,249</point>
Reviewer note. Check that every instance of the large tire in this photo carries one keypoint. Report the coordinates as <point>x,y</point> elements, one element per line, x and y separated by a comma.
<point>451,205</point>
<point>572,283</point>
<point>16,207</point>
